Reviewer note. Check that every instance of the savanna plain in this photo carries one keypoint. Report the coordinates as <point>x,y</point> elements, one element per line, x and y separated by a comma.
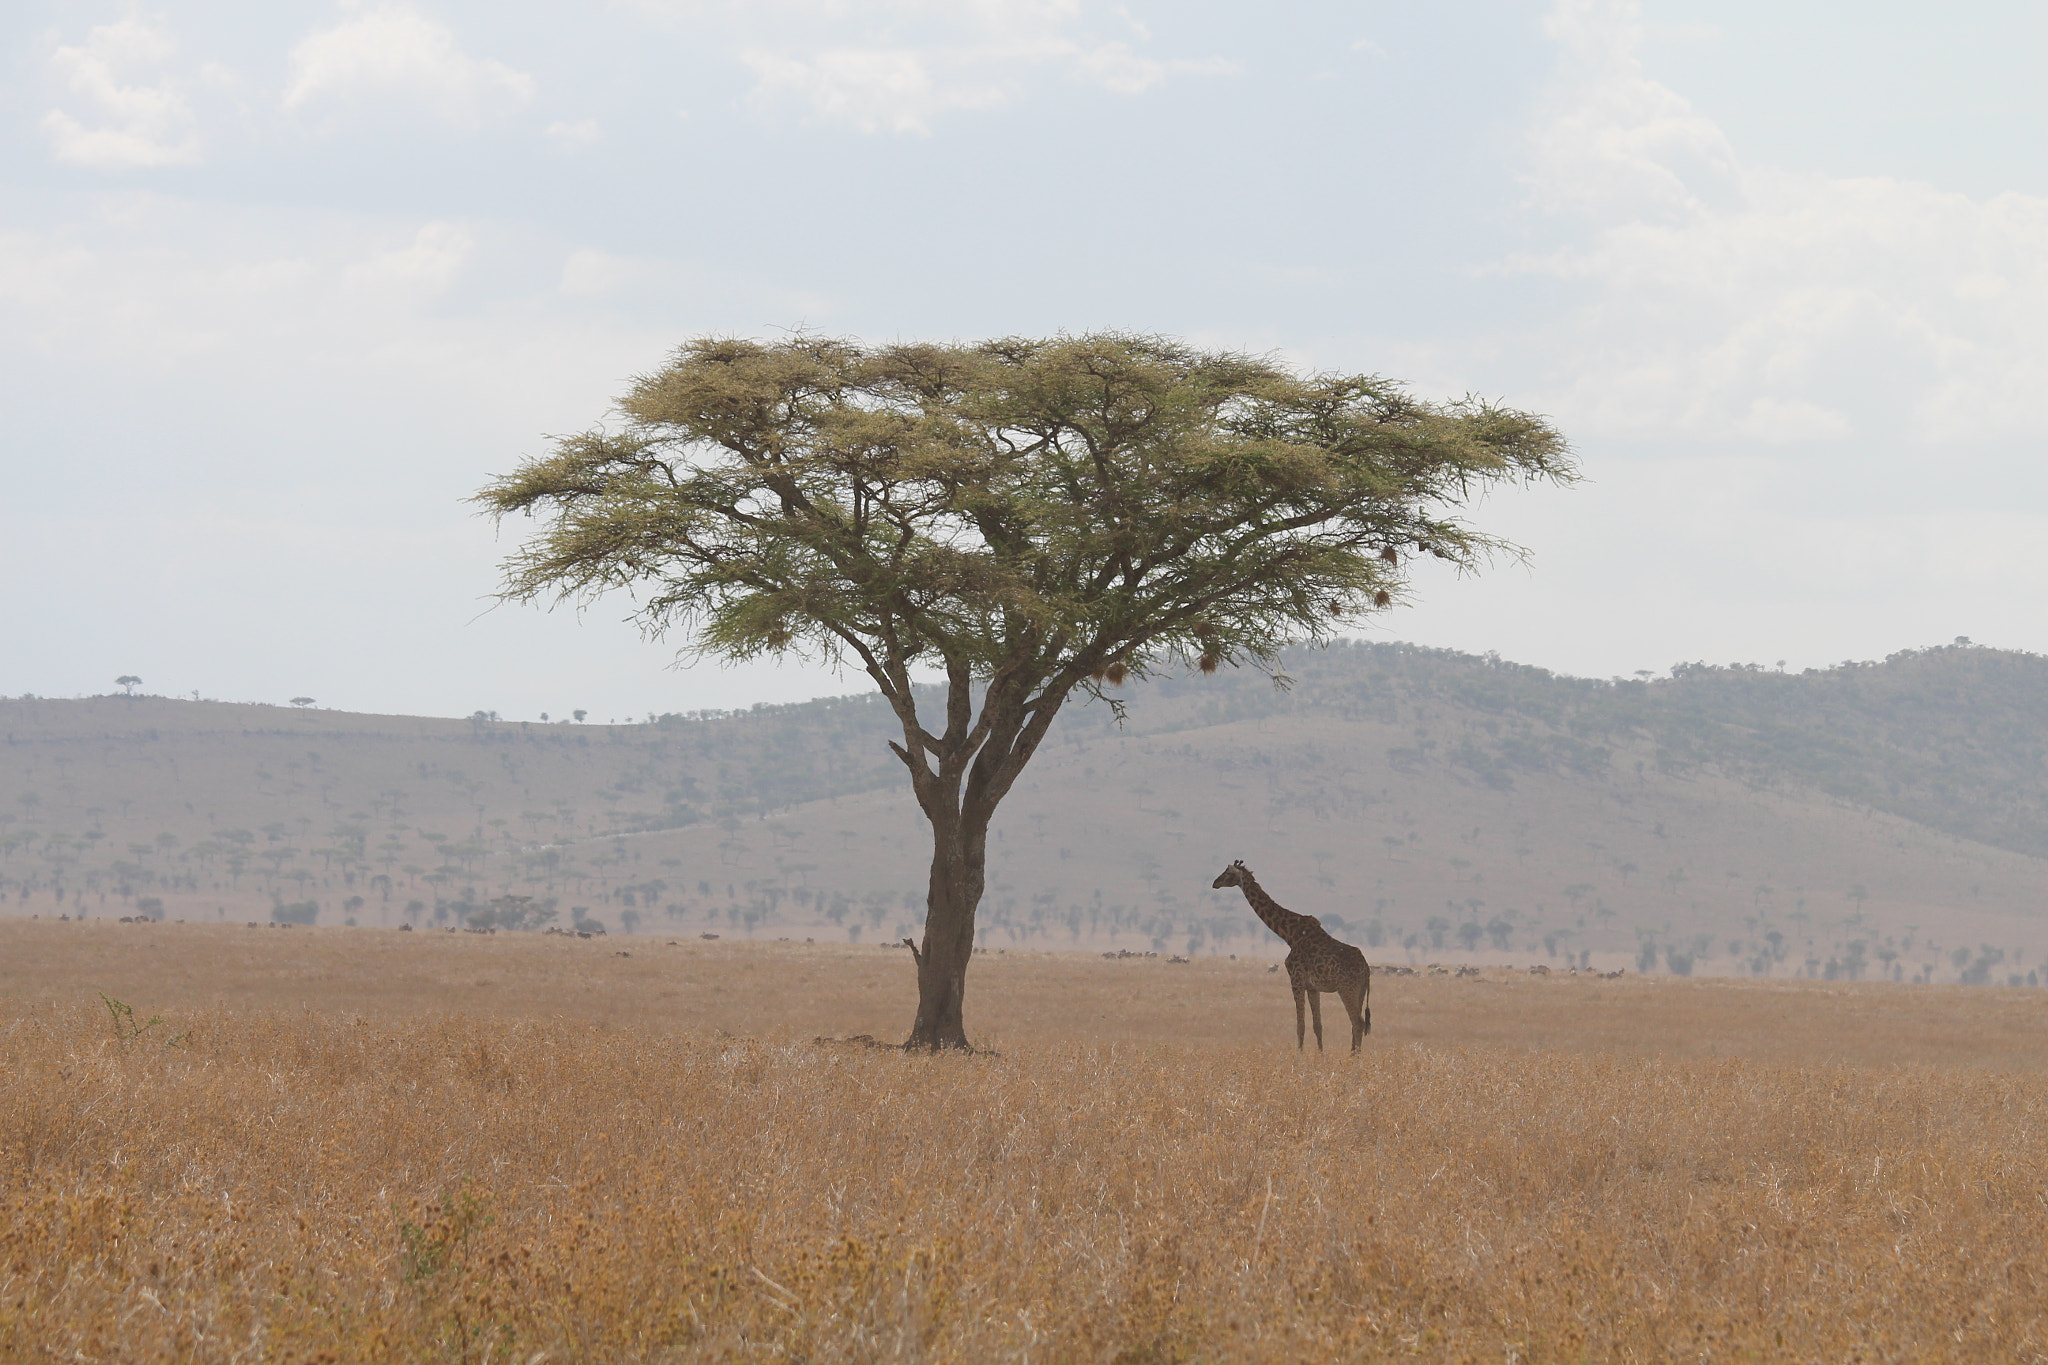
<point>221,1143</point>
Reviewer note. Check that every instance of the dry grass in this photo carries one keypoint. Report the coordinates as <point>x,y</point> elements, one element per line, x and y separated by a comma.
<point>359,1154</point>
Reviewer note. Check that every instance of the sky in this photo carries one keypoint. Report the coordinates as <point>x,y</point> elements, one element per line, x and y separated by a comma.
<point>282,284</point>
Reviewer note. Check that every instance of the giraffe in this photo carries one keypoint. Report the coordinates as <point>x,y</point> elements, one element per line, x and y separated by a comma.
<point>1315,961</point>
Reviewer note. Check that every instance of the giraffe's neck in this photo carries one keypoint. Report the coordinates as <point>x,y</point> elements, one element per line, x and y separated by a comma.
<point>1277,917</point>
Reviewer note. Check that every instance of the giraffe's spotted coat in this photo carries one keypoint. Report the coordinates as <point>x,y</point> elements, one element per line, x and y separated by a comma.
<point>1315,962</point>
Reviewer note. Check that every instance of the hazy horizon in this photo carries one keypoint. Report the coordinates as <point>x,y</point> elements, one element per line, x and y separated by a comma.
<point>640,716</point>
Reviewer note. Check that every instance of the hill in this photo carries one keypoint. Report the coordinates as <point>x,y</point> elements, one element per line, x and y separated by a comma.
<point>1869,818</point>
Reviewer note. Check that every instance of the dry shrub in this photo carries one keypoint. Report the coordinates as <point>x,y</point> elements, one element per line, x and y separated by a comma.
<point>307,1187</point>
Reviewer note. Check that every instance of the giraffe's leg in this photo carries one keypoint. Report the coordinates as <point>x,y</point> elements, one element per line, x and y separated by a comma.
<point>1353,996</point>
<point>1315,1010</point>
<point>1301,1024</point>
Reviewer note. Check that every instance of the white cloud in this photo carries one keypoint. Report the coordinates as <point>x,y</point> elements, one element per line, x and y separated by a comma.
<point>426,265</point>
<point>1777,421</point>
<point>392,52</point>
<point>1615,141</point>
<point>133,124</point>
<point>571,137</point>
<point>1113,66</point>
<point>1724,300</point>
<point>588,273</point>
<point>898,90</point>
<point>900,65</point>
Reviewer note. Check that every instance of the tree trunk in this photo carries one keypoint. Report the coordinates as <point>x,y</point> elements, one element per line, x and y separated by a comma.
<point>959,865</point>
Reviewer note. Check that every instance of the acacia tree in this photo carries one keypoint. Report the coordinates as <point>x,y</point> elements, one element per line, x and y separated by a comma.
<point>1024,519</point>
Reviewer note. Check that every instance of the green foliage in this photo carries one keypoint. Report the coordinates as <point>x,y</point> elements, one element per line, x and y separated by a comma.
<point>429,1246</point>
<point>1062,505</point>
<point>126,1030</point>
<point>297,912</point>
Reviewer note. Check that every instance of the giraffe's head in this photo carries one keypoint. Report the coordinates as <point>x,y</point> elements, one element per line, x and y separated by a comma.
<point>1234,875</point>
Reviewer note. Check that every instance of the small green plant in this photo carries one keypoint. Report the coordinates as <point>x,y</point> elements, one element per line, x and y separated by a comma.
<point>126,1030</point>
<point>429,1246</point>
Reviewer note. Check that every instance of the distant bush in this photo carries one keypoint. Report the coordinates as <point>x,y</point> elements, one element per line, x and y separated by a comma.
<point>1978,973</point>
<point>297,912</point>
<point>514,913</point>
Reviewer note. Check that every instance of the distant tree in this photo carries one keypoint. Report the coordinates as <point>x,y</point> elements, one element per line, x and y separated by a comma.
<point>128,682</point>
<point>1979,972</point>
<point>1027,518</point>
<point>298,912</point>
<point>579,715</point>
<point>302,701</point>
<point>513,913</point>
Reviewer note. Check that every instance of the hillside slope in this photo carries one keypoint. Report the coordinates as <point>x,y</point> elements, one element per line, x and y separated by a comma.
<point>1867,818</point>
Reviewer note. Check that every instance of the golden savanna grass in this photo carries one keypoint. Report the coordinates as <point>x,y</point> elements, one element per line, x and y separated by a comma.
<point>355,1151</point>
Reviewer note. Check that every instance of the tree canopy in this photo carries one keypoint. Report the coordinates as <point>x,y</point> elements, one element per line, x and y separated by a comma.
<point>1024,517</point>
